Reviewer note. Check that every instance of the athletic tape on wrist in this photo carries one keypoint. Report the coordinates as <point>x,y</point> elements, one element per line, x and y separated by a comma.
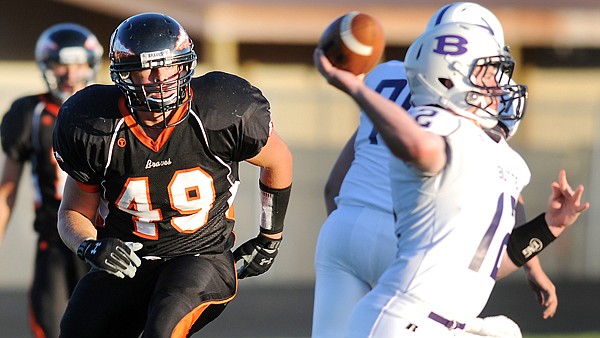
<point>274,203</point>
<point>528,240</point>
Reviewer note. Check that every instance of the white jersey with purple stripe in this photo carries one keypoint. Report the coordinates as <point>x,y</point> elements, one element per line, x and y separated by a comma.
<point>367,181</point>
<point>453,226</point>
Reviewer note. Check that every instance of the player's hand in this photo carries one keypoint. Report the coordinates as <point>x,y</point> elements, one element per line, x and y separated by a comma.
<point>339,78</point>
<point>257,255</point>
<point>542,286</point>
<point>494,326</point>
<point>564,205</point>
<point>112,255</point>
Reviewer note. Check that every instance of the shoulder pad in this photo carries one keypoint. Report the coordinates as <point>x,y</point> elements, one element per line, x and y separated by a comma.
<point>93,102</point>
<point>222,99</point>
<point>15,128</point>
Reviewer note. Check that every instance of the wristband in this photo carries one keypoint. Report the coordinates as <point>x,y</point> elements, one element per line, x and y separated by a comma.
<point>81,249</point>
<point>528,240</point>
<point>274,203</point>
<point>269,243</point>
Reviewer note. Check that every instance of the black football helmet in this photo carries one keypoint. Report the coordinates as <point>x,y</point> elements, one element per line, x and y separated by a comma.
<point>146,41</point>
<point>67,43</point>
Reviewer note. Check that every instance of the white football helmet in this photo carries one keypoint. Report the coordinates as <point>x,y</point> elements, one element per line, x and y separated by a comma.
<point>468,12</point>
<point>443,66</point>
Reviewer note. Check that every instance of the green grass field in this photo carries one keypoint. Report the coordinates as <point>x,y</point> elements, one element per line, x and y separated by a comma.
<point>564,335</point>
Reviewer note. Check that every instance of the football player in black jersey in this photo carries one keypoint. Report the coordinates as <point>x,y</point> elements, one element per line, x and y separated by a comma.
<point>68,56</point>
<point>153,173</point>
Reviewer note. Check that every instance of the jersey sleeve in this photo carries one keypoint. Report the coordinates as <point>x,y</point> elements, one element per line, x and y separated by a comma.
<point>15,130</point>
<point>255,127</point>
<point>77,148</point>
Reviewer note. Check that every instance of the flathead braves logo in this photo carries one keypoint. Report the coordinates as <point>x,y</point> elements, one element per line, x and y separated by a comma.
<point>451,45</point>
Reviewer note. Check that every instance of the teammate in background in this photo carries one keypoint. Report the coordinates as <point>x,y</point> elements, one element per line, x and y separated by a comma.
<point>68,55</point>
<point>156,158</point>
<point>358,189</point>
<point>446,187</point>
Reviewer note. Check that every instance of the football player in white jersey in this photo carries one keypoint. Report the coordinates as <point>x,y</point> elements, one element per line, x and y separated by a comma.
<point>454,188</point>
<point>358,189</point>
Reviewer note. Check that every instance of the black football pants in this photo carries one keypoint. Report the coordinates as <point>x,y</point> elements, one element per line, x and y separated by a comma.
<point>166,298</point>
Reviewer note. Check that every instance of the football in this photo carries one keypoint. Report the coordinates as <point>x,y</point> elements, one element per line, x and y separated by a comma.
<point>353,42</point>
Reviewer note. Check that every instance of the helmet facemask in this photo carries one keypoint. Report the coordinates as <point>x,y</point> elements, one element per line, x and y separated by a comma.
<point>141,97</point>
<point>512,109</point>
<point>57,83</point>
<point>491,77</point>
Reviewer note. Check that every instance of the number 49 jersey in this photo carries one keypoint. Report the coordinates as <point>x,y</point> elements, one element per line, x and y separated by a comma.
<point>173,194</point>
<point>453,225</point>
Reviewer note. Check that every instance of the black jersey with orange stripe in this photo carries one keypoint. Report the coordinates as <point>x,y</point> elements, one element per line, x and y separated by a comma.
<point>172,194</point>
<point>26,134</point>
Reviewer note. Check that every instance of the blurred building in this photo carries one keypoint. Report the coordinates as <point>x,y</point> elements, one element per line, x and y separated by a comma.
<point>270,42</point>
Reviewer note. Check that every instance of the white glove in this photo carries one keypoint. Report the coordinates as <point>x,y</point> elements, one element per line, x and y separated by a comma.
<point>494,326</point>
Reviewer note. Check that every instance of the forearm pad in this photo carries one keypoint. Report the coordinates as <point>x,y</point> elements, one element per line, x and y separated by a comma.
<point>528,240</point>
<point>274,203</point>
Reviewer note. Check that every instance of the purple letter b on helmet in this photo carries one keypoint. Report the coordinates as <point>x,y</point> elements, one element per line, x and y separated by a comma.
<point>450,45</point>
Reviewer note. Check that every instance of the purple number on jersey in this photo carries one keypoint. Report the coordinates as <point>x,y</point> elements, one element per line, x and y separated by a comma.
<point>397,86</point>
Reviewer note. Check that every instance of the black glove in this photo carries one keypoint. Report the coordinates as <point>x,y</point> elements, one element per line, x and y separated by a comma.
<point>258,254</point>
<point>111,255</point>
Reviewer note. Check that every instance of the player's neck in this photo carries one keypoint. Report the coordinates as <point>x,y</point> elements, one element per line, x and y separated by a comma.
<point>153,133</point>
<point>153,123</point>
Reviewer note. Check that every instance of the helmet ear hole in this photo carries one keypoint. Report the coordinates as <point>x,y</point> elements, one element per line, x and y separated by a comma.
<point>446,82</point>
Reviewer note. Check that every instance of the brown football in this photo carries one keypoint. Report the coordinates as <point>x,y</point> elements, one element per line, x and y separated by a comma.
<point>353,42</point>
